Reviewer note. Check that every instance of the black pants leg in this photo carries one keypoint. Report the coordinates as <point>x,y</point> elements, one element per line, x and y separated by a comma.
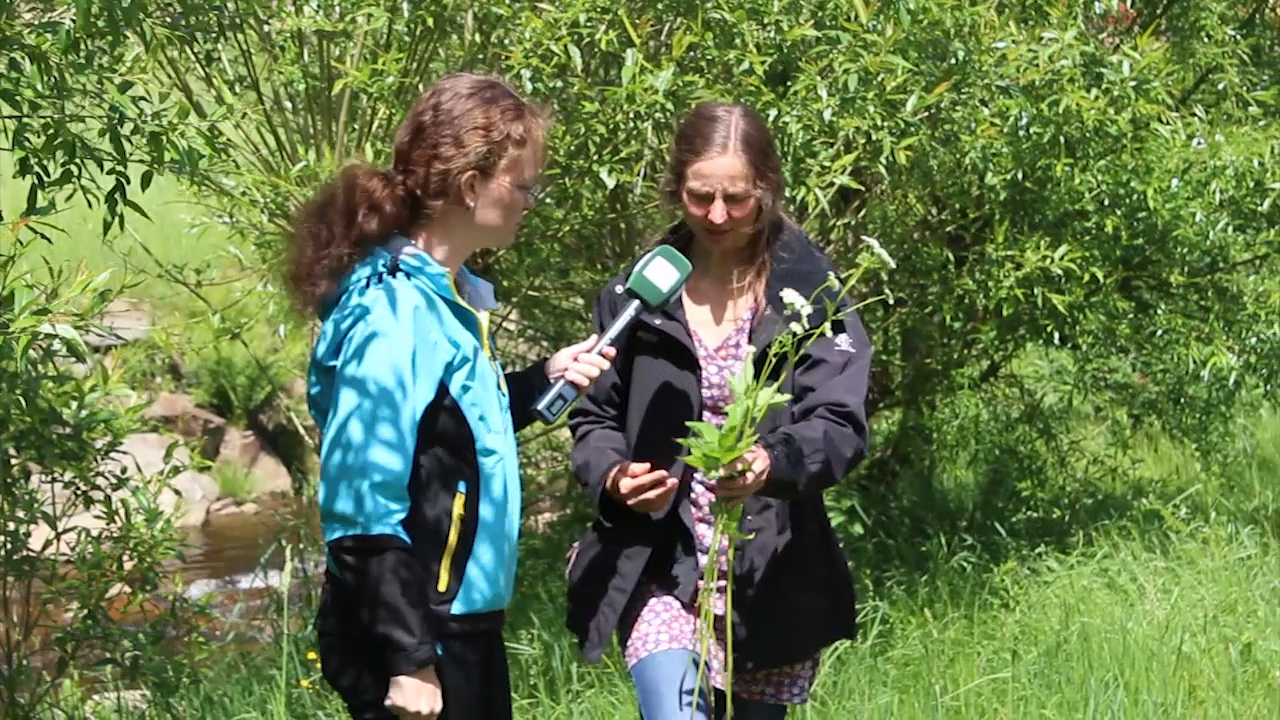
<point>474,674</point>
<point>472,668</point>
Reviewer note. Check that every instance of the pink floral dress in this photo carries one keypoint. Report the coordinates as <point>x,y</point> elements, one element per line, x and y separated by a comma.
<point>664,622</point>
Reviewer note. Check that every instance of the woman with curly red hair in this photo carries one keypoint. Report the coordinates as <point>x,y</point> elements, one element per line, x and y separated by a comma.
<point>420,493</point>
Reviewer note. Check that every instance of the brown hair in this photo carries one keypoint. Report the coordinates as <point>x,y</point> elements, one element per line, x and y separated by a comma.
<point>718,128</point>
<point>463,122</point>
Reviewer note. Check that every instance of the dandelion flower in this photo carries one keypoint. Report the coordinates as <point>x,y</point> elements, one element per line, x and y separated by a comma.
<point>311,655</point>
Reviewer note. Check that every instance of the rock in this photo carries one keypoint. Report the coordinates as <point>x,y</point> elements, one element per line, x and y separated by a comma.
<point>144,454</point>
<point>53,490</point>
<point>195,487</point>
<point>191,514</point>
<point>124,321</point>
<point>229,506</point>
<point>187,512</point>
<point>223,506</point>
<point>179,413</point>
<point>72,530</point>
<point>112,703</point>
<point>186,497</point>
<point>247,449</point>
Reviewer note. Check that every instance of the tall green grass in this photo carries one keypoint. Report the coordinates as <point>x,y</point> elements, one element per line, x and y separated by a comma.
<point>1181,622</point>
<point>1117,630</point>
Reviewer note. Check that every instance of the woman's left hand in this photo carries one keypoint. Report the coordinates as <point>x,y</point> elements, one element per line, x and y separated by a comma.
<point>744,476</point>
<point>577,364</point>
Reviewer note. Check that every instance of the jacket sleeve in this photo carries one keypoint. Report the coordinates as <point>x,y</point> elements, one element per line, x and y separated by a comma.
<point>829,435</point>
<point>386,373</point>
<point>595,421</point>
<point>523,388</point>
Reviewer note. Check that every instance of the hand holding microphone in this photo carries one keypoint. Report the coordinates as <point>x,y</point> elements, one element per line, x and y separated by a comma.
<point>656,278</point>
<point>578,365</point>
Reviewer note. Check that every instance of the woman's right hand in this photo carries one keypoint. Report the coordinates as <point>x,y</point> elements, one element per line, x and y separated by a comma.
<point>416,696</point>
<point>642,489</point>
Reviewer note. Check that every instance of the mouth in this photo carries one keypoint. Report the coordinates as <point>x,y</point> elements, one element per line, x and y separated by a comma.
<point>717,232</point>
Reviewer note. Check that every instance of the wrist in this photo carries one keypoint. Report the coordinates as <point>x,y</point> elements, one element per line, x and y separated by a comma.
<point>426,674</point>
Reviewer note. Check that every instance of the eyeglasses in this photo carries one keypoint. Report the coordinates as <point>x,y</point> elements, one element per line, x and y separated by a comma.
<point>736,202</point>
<point>532,192</point>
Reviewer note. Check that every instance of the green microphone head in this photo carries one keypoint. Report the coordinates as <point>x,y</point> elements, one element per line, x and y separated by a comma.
<point>658,276</point>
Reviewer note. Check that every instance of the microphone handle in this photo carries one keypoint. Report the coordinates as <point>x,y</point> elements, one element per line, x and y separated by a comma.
<point>557,398</point>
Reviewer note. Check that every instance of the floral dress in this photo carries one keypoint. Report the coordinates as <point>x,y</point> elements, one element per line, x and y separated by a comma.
<point>666,623</point>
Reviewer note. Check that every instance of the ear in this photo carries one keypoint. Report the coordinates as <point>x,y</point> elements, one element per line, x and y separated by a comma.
<point>468,188</point>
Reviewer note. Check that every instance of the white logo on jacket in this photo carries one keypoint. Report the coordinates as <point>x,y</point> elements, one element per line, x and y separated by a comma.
<point>844,342</point>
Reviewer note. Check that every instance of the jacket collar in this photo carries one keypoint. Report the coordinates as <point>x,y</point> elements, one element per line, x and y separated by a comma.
<point>471,288</point>
<point>796,262</point>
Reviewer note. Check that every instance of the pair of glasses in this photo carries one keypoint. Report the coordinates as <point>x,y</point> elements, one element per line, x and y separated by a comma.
<point>533,192</point>
<point>736,203</point>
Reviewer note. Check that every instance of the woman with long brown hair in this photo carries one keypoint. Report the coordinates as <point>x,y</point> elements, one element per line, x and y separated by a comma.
<point>420,493</point>
<point>638,569</point>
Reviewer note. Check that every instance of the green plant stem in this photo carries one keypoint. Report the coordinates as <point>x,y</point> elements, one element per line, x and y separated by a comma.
<point>725,525</point>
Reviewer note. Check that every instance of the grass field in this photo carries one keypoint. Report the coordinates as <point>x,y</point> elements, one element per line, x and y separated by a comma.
<point>213,306</point>
<point>1118,630</point>
<point>177,235</point>
<point>1179,623</point>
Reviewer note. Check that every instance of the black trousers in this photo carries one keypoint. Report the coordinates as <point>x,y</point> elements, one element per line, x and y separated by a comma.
<point>472,668</point>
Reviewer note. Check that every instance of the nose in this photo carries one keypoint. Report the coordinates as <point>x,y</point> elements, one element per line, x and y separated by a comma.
<point>718,213</point>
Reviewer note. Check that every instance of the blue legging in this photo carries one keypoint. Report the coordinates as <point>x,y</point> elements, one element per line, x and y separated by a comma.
<point>665,683</point>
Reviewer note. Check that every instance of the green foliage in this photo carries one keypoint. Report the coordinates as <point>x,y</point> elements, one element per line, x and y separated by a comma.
<point>1052,178</point>
<point>75,113</point>
<point>83,542</point>
<point>1083,203</point>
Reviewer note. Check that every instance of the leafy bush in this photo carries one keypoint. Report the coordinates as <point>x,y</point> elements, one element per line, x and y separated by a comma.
<point>1057,179</point>
<point>84,543</point>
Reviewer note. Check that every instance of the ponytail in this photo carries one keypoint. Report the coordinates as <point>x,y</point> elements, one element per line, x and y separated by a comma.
<point>347,218</point>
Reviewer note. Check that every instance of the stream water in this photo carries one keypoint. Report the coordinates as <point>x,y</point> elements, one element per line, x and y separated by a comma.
<point>236,560</point>
<point>234,544</point>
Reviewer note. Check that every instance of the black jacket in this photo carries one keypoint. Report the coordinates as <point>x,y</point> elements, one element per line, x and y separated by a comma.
<point>793,591</point>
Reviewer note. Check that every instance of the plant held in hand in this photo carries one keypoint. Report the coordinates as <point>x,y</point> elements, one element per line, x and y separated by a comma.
<point>721,452</point>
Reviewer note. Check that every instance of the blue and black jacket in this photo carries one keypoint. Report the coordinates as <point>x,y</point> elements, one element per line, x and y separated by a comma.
<point>420,493</point>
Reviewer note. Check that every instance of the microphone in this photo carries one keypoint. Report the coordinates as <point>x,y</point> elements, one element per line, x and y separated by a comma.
<point>656,278</point>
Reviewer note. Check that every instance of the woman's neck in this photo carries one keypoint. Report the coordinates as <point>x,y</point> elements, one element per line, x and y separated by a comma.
<point>443,241</point>
<point>729,270</point>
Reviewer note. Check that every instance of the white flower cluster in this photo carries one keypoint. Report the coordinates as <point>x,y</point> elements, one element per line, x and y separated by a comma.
<point>879,250</point>
<point>796,303</point>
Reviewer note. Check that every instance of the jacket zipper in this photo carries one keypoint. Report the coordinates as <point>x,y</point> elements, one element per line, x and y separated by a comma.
<point>455,530</point>
<point>482,321</point>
